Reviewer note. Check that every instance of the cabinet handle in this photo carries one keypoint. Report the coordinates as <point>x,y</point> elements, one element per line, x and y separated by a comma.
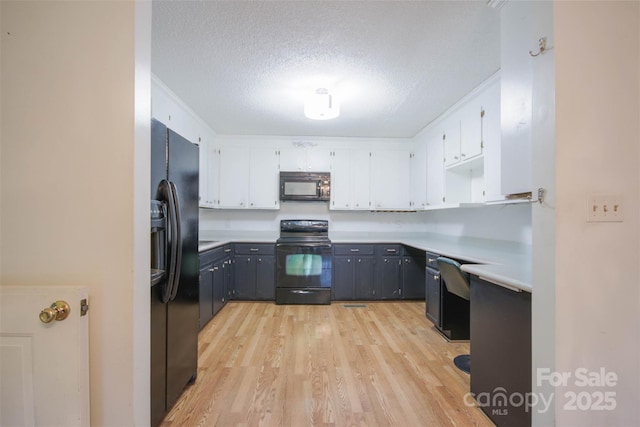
<point>464,155</point>
<point>348,260</point>
<point>259,259</point>
<point>213,269</point>
<point>393,251</point>
<point>226,251</point>
<point>431,259</point>
<point>436,277</point>
<point>355,250</point>
<point>254,250</point>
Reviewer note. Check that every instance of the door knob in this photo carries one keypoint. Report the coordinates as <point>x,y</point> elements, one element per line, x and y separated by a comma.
<point>59,310</point>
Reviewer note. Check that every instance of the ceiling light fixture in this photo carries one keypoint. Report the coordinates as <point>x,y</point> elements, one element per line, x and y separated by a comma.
<point>321,105</point>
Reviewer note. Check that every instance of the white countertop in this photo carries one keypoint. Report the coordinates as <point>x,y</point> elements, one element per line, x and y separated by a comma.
<point>501,262</point>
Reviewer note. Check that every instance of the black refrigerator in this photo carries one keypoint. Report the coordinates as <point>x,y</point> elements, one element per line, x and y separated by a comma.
<point>174,267</point>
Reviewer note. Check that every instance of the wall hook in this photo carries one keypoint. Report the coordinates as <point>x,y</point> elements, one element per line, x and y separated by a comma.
<point>542,47</point>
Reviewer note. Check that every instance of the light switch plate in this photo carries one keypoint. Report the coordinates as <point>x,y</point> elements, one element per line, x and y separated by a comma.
<point>604,208</point>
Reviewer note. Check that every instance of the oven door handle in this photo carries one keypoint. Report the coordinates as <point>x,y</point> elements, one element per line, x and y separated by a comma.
<point>304,244</point>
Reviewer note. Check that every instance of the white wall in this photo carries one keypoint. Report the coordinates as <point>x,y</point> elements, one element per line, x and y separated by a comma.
<point>514,220</point>
<point>597,281</point>
<point>75,178</point>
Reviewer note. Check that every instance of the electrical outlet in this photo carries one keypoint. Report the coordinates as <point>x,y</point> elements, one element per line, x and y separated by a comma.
<point>604,208</point>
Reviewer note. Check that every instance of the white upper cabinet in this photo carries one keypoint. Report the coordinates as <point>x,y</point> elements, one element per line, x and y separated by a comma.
<point>457,145</point>
<point>516,96</point>
<point>471,125</point>
<point>203,183</point>
<point>391,179</point>
<point>305,159</point>
<point>209,174</point>
<point>350,179</point>
<point>318,159</point>
<point>361,179</point>
<point>234,177</point>
<point>451,139</point>
<point>419,177</point>
<point>491,136</point>
<point>340,179</point>
<point>435,169</point>
<point>293,159</point>
<point>248,178</point>
<point>263,179</point>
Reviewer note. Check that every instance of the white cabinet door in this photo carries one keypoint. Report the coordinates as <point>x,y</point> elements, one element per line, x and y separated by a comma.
<point>234,177</point>
<point>419,177</point>
<point>361,179</point>
<point>203,174</point>
<point>305,159</point>
<point>292,159</point>
<point>471,116</point>
<point>350,180</point>
<point>491,139</point>
<point>451,140</point>
<point>318,159</point>
<point>213,175</point>
<point>341,179</point>
<point>435,169</point>
<point>263,179</point>
<point>208,174</point>
<point>516,96</point>
<point>391,178</point>
<point>45,366</point>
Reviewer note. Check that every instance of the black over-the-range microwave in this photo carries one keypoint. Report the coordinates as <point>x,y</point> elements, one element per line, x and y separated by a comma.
<point>305,186</point>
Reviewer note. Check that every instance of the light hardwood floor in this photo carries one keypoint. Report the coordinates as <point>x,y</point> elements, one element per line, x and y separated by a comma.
<point>347,364</point>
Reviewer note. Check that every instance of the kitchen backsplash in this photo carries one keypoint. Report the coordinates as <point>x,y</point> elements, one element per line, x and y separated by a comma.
<point>500,222</point>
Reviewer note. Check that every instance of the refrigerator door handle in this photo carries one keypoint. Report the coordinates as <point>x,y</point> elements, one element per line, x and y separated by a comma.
<point>165,194</point>
<point>177,236</point>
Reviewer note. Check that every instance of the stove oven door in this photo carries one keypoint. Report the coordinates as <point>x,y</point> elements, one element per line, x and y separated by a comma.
<point>303,273</point>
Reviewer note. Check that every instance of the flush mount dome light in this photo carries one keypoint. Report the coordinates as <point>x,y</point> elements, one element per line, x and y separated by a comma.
<point>321,105</point>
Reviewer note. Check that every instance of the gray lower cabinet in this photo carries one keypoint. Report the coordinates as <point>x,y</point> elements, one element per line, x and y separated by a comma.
<point>388,283</point>
<point>353,272</point>
<point>377,272</point>
<point>254,271</point>
<point>433,289</point>
<point>213,270</point>
<point>413,274</point>
<point>501,351</point>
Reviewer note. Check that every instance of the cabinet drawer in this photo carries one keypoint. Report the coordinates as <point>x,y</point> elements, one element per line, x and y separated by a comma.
<point>348,249</point>
<point>389,250</point>
<point>255,249</point>
<point>431,260</point>
<point>211,255</point>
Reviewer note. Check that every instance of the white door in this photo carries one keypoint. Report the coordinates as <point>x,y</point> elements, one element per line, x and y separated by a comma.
<point>44,367</point>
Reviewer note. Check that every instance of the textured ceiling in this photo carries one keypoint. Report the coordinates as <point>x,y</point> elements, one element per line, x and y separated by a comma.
<point>245,66</point>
